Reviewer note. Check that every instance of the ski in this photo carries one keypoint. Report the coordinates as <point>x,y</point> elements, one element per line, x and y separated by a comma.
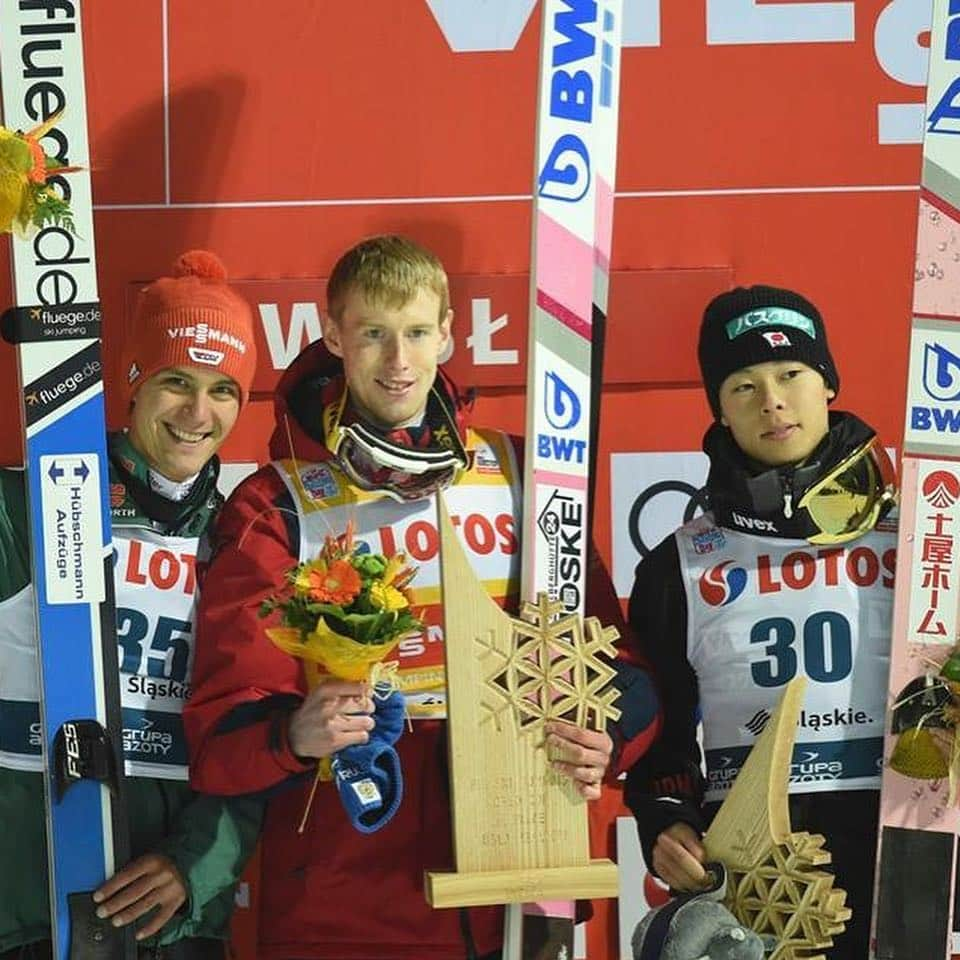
<point>56,326</point>
<point>577,116</point>
<point>919,820</point>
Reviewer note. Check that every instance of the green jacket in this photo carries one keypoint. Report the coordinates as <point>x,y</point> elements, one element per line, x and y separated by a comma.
<point>208,838</point>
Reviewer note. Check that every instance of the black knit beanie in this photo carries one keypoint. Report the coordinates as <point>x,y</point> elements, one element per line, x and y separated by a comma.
<point>749,325</point>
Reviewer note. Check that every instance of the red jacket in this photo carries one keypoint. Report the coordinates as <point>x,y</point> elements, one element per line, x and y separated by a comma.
<point>331,892</point>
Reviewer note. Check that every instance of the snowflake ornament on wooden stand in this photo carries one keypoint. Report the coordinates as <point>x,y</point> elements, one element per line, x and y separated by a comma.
<point>552,669</point>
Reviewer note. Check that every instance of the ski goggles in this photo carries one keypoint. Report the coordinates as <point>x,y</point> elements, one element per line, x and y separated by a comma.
<point>374,463</point>
<point>848,500</point>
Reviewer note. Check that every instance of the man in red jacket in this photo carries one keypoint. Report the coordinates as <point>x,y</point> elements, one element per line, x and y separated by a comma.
<point>368,430</point>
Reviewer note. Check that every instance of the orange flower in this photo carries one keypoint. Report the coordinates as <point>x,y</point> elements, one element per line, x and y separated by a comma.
<point>338,583</point>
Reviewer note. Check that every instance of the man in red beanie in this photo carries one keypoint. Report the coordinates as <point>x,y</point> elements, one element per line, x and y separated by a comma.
<point>790,572</point>
<point>190,358</point>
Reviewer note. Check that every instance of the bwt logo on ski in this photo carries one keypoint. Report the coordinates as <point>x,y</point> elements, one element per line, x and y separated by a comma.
<point>719,586</point>
<point>566,173</point>
<point>562,408</point>
<point>560,404</point>
<point>941,384</point>
<point>945,116</point>
<point>561,524</point>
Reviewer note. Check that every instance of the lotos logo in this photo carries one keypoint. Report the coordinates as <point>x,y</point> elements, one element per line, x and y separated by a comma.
<point>720,587</point>
<point>941,489</point>
<point>829,567</point>
<point>560,404</point>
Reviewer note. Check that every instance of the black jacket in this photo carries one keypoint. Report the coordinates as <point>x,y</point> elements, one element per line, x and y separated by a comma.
<point>666,786</point>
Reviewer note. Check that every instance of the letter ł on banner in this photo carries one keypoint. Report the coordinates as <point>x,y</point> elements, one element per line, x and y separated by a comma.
<point>480,339</point>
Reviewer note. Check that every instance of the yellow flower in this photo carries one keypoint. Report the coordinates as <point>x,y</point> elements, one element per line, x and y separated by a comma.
<point>394,566</point>
<point>303,582</point>
<point>385,597</point>
<point>397,574</point>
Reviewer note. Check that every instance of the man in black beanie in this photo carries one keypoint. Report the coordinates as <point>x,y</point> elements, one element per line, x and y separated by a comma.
<point>790,572</point>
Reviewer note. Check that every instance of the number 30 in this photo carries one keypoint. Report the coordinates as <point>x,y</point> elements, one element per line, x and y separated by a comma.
<point>827,649</point>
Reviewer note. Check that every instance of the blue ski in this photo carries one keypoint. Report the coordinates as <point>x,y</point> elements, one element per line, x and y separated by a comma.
<point>56,325</point>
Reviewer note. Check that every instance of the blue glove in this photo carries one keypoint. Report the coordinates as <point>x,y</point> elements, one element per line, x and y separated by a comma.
<point>368,775</point>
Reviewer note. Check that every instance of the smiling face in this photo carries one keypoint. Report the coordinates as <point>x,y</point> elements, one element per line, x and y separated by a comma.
<point>180,418</point>
<point>390,354</point>
<point>777,411</point>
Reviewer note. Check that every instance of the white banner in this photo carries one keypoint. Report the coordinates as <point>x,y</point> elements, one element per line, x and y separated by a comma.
<point>651,495</point>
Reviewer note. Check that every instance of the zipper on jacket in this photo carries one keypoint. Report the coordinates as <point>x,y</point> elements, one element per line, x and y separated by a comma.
<point>787,484</point>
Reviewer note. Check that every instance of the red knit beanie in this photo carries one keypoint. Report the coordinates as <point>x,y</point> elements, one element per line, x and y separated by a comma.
<point>191,319</point>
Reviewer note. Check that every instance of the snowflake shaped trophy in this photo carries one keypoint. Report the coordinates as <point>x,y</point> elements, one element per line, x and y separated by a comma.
<point>774,882</point>
<point>551,670</point>
<point>519,827</point>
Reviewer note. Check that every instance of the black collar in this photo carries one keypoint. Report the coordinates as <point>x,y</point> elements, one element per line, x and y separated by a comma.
<point>763,501</point>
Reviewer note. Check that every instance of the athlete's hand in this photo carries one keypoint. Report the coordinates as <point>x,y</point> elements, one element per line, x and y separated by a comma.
<point>151,882</point>
<point>678,857</point>
<point>335,714</point>
<point>582,755</point>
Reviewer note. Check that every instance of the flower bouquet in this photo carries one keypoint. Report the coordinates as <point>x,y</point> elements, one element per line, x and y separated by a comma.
<point>27,201</point>
<point>342,614</point>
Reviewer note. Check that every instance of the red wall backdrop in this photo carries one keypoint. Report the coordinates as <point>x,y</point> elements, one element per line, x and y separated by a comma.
<point>754,146</point>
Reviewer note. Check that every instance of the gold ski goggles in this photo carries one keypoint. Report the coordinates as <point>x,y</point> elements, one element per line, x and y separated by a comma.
<point>373,462</point>
<point>851,498</point>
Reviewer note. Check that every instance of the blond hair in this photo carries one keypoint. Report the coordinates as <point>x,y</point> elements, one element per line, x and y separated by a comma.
<point>388,271</point>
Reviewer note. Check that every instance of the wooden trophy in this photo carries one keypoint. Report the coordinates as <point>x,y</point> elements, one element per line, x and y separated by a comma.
<point>519,827</point>
<point>774,885</point>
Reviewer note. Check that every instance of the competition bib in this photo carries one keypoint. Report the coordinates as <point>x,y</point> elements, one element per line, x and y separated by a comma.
<point>762,611</point>
<point>156,582</point>
<point>484,507</point>
<point>156,589</point>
